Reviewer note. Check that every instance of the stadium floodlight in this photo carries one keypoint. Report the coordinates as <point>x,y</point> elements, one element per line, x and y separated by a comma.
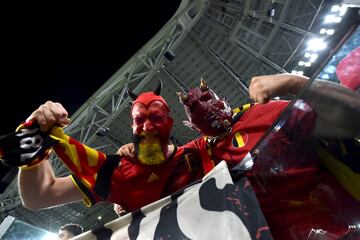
<point>316,44</point>
<point>327,31</point>
<point>331,18</point>
<point>343,10</point>
<point>330,31</point>
<point>307,64</point>
<point>323,31</point>
<point>301,73</point>
<point>335,8</point>
<point>313,57</point>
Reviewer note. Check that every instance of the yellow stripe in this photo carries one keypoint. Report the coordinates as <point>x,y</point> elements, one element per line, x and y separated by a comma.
<point>92,156</point>
<point>236,110</point>
<point>70,150</point>
<point>86,199</point>
<point>209,151</point>
<point>344,174</point>
<point>208,148</point>
<point>239,139</point>
<point>243,108</point>
<point>33,164</point>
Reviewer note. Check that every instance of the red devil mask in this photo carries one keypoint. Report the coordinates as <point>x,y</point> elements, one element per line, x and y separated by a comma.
<point>206,112</point>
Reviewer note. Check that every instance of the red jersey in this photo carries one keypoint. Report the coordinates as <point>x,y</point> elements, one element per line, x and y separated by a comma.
<point>248,130</point>
<point>134,185</point>
<point>299,198</point>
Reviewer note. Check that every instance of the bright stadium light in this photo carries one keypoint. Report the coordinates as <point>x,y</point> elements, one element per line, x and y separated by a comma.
<point>327,31</point>
<point>313,57</point>
<point>297,72</point>
<point>343,10</point>
<point>335,8</point>
<point>316,44</point>
<point>330,31</point>
<point>332,19</point>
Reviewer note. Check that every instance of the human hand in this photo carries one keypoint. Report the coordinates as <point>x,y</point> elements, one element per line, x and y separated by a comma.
<point>263,88</point>
<point>127,150</point>
<point>119,210</point>
<point>50,114</point>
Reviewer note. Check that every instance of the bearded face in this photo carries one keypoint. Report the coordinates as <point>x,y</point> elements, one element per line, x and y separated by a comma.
<point>151,129</point>
<point>206,112</point>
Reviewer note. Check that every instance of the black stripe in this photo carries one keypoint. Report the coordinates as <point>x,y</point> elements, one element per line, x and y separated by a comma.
<point>134,227</point>
<point>168,225</point>
<point>84,189</point>
<point>103,180</point>
<point>102,233</point>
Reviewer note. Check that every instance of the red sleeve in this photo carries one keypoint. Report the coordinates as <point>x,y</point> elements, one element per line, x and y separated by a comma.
<point>299,121</point>
<point>192,145</point>
<point>302,120</point>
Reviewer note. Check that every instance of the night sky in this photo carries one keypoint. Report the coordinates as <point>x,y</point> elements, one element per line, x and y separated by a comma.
<point>65,53</point>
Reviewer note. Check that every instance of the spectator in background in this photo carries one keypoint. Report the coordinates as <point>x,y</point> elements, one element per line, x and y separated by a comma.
<point>69,231</point>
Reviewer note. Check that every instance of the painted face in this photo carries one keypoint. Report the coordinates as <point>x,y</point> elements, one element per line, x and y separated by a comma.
<point>206,112</point>
<point>151,121</point>
<point>151,129</point>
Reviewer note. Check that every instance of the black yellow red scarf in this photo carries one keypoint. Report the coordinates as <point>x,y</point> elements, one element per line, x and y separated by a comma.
<point>28,146</point>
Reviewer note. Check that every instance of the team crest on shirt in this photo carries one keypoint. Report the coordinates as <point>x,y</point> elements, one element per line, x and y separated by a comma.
<point>152,177</point>
<point>239,139</point>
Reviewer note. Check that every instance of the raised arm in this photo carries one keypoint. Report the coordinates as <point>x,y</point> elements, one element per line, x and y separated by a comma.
<point>38,186</point>
<point>338,107</point>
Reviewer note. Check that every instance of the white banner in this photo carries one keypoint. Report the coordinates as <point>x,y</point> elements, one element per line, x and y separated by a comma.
<point>215,208</point>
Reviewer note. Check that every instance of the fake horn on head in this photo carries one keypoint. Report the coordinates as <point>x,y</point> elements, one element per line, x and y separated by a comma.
<point>183,97</point>
<point>158,89</point>
<point>203,85</point>
<point>132,94</point>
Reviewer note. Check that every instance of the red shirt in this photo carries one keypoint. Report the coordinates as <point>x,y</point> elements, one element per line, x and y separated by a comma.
<point>297,195</point>
<point>134,185</point>
<point>248,130</point>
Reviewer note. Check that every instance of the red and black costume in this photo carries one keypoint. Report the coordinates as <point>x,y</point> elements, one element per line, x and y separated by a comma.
<point>297,195</point>
<point>103,177</point>
<point>133,184</point>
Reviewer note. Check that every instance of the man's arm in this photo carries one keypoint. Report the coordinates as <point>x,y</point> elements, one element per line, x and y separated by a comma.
<point>38,186</point>
<point>338,108</point>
